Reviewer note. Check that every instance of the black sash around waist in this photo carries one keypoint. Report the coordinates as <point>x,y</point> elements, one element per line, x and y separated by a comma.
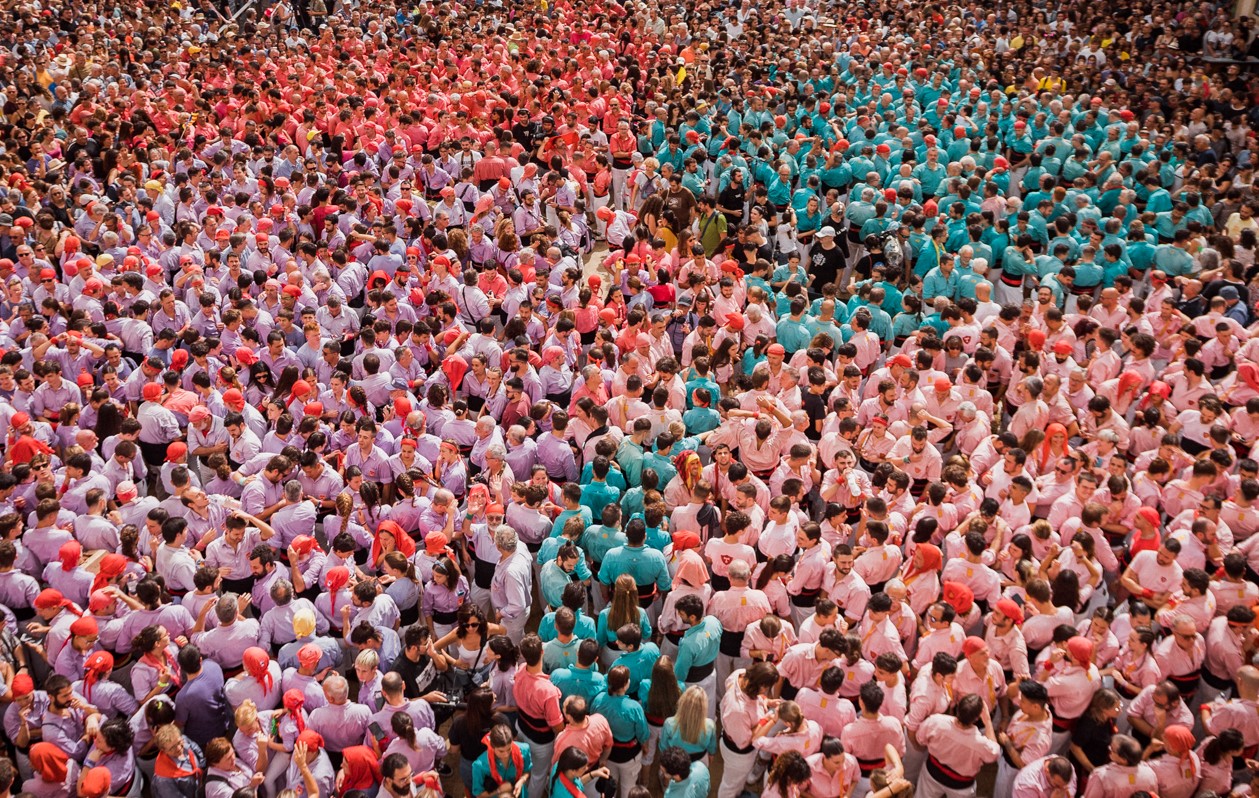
<point>699,673</point>
<point>806,597</point>
<point>537,730</point>
<point>445,617</point>
<point>731,643</point>
<point>947,776</point>
<point>624,750</point>
<point>725,738</point>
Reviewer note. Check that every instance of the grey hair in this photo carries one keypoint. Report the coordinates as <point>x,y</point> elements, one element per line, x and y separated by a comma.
<point>281,591</point>
<point>505,538</point>
<point>293,491</point>
<point>226,609</point>
<point>337,687</point>
<point>739,570</point>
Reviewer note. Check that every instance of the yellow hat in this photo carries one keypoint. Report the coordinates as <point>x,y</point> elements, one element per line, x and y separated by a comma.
<point>194,50</point>
<point>303,623</point>
<point>153,185</point>
<point>104,260</point>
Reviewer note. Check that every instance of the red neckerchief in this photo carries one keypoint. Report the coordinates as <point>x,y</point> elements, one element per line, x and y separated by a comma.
<point>517,760</point>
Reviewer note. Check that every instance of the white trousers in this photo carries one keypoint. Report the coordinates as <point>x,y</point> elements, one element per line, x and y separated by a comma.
<point>626,774</point>
<point>709,685</point>
<point>515,627</point>
<point>540,776</point>
<point>737,768</point>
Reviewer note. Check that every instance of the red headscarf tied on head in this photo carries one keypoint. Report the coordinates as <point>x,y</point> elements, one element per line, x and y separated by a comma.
<point>95,783</point>
<point>1129,382</point>
<point>1081,650</point>
<point>50,762</point>
<point>258,664</point>
<point>111,565</point>
<point>930,558</point>
<point>22,685</point>
<point>1163,390</point>
<point>551,355</point>
<point>1179,742</point>
<point>96,666</point>
<point>312,739</point>
<point>294,700</point>
<point>338,578</point>
<point>362,768</point>
<point>402,541</point>
<point>69,554</point>
<point>305,544</point>
<point>1045,453</point>
<point>454,367</point>
<point>959,597</point>
<point>50,598</point>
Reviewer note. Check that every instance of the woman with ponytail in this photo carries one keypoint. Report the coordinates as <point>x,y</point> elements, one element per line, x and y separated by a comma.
<point>504,762</point>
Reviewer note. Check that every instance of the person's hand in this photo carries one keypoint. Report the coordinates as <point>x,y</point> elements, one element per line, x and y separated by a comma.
<point>299,756</point>
<point>900,785</point>
<point>257,779</point>
<point>181,641</point>
<point>434,697</point>
<point>599,773</point>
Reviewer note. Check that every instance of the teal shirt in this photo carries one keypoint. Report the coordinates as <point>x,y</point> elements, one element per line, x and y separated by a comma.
<point>699,646</point>
<point>585,682</point>
<point>699,420</point>
<point>793,335</point>
<point>645,564</point>
<point>607,637</point>
<point>615,478</point>
<point>556,655</point>
<point>707,744</point>
<point>598,540</point>
<point>597,495</point>
<point>662,466</point>
<point>558,527</point>
<point>552,579</point>
<point>633,502</point>
<point>695,785</point>
<point>639,662</point>
<point>507,770</point>
<point>583,628</point>
<point>624,715</point>
<point>629,456</point>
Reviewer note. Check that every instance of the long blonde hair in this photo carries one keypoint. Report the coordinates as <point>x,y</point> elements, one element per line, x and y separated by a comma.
<point>345,506</point>
<point>692,714</point>
<point>624,606</point>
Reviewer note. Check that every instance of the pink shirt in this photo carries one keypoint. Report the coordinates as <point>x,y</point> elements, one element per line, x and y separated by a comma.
<point>964,750</point>
<point>1070,687</point>
<point>800,665</point>
<point>1177,778</point>
<point>1120,781</point>
<point>740,714</point>
<point>833,785</point>
<point>739,607</point>
<point>1175,661</point>
<point>830,712</point>
<point>867,738</point>
<point>1237,714</point>
<point>926,699</point>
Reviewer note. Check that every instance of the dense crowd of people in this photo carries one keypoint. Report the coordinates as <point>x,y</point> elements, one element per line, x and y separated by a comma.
<point>526,399</point>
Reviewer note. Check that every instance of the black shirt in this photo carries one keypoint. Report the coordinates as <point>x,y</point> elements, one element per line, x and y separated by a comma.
<point>815,405</point>
<point>470,740</point>
<point>1093,738</point>
<point>419,677</point>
